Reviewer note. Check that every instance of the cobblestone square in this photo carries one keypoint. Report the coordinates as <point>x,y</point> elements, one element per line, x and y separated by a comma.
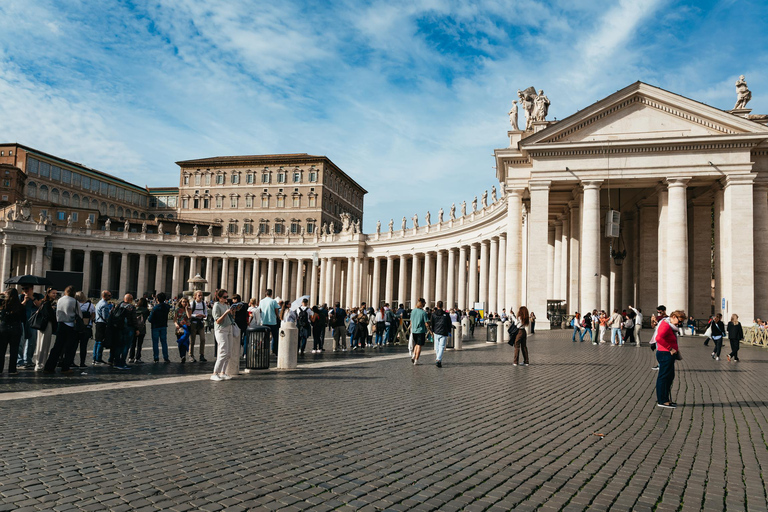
<point>576,430</point>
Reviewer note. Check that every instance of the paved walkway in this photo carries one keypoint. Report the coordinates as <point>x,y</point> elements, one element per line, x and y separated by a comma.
<point>576,430</point>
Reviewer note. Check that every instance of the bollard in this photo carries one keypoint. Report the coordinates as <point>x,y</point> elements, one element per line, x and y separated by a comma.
<point>457,340</point>
<point>464,328</point>
<point>287,346</point>
<point>504,338</point>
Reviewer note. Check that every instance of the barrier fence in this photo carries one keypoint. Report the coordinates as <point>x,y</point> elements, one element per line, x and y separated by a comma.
<point>756,336</point>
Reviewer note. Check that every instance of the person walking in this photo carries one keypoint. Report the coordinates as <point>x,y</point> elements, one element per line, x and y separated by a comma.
<point>182,320</point>
<point>303,324</point>
<point>198,315</point>
<point>587,324</point>
<point>533,326</point>
<point>12,316</point>
<point>223,318</point>
<point>629,328</point>
<point>718,332</point>
<point>31,302</point>
<point>142,313</point>
<point>268,308</point>
<point>638,320</point>
<point>379,323</point>
<point>158,322</point>
<point>322,313</point>
<point>314,320</point>
<point>521,338</point>
<point>419,327</point>
<point>735,335</point>
<point>667,352</point>
<point>88,312</point>
<point>614,323</point>
<point>103,310</point>
<point>576,324</point>
<point>441,327</point>
<point>48,326</point>
<point>126,327</point>
<point>337,318</point>
<point>66,341</point>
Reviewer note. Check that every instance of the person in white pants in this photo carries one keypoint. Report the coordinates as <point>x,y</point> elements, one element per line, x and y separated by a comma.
<point>638,324</point>
<point>224,320</point>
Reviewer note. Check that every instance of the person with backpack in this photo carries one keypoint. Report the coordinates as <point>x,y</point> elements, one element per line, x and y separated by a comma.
<point>199,313</point>
<point>337,318</point>
<point>303,324</point>
<point>66,339</point>
<point>12,317</point>
<point>103,310</point>
<point>586,324</point>
<point>45,323</point>
<point>142,314</point>
<point>158,322</point>
<point>390,324</point>
<point>269,309</point>
<point>441,327</point>
<point>87,311</point>
<point>122,326</point>
<point>362,328</point>
<point>322,313</point>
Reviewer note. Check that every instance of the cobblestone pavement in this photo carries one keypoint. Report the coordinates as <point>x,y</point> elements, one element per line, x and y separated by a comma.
<point>478,434</point>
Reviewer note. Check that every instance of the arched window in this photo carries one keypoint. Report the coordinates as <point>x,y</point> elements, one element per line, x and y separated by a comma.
<point>75,201</point>
<point>135,214</point>
<point>143,216</point>
<point>161,216</point>
<point>103,208</point>
<point>54,195</point>
<point>43,192</point>
<point>65,198</point>
<point>120,211</point>
<point>170,215</point>
<point>32,189</point>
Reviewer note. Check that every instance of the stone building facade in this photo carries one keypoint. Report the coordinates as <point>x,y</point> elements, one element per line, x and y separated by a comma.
<point>687,181</point>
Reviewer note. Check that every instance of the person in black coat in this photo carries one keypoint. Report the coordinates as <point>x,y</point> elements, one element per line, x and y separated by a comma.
<point>718,333</point>
<point>12,315</point>
<point>735,335</point>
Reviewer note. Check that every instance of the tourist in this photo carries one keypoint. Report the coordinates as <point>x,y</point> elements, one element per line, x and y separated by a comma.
<point>48,326</point>
<point>158,322</point>
<point>182,319</point>
<point>586,323</point>
<point>362,327</point>
<point>322,312</point>
<point>735,335</point>
<point>12,318</point>
<point>337,318</point>
<point>198,315</point>
<point>254,314</point>
<point>667,352</point>
<point>638,323</point>
<point>708,331</point>
<point>389,324</point>
<point>521,338</point>
<point>691,325</point>
<point>380,326</point>
<point>224,320</point>
<point>286,315</point>
<point>66,341</point>
<point>314,320</point>
<point>419,326</point>
<point>615,323</point>
<point>629,328</point>
<point>718,331</point>
<point>441,327</point>
<point>472,321</point>
<point>236,338</point>
<point>533,325</point>
<point>576,324</point>
<point>268,308</point>
<point>126,325</point>
<point>31,302</point>
<point>88,312</point>
<point>303,324</point>
<point>142,313</point>
<point>103,310</point>
<point>603,325</point>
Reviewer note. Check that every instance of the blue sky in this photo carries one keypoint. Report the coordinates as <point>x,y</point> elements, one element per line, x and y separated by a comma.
<point>409,98</point>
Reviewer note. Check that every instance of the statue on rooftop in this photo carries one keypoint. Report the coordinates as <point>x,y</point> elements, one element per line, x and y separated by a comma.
<point>463,208</point>
<point>526,101</point>
<point>484,199</point>
<point>513,116</point>
<point>108,224</point>
<point>378,227</point>
<point>541,103</point>
<point>452,214</point>
<point>743,94</point>
<point>440,216</point>
<point>493,194</point>
<point>391,225</point>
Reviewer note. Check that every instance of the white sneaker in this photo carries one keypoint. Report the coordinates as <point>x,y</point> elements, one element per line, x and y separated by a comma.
<point>225,377</point>
<point>215,377</point>
<point>717,359</point>
<point>415,362</point>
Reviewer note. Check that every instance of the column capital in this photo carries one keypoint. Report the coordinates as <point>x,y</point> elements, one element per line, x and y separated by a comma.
<point>515,192</point>
<point>592,184</point>
<point>539,185</point>
<point>739,179</point>
<point>677,182</point>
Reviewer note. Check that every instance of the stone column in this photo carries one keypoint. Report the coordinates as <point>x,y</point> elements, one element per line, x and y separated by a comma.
<point>224,275</point>
<point>354,273</point>
<point>160,274</point>
<point>677,245</point>
<point>105,271</point>
<point>123,286</point>
<point>322,295</point>
<point>493,278</point>
<point>450,296</point>
<point>7,249</point>
<point>240,279</point>
<point>662,228</point>
<point>537,249</point>
<point>760,201</point>
<point>463,277</point>
<point>141,281</point>
<point>376,286</point>
<point>365,281</point>
<point>255,278</point>
<point>501,293</point>
<point>564,268</point>
<point>39,258</point>
<point>550,262</point>
<point>483,279</point>
<point>514,247</point>
<point>271,274</point>
<point>192,267</point>
<point>605,271</point>
<point>313,283</point>
<point>299,278</point>
<point>209,272</point>
<point>67,261</point>
<point>739,245</point>
<point>401,280</point>
<point>286,277</point>
<point>28,260</point>
<point>388,284</point>
<point>574,255</point>
<point>415,292</point>
<point>86,271</point>
<point>590,246</point>
<point>720,252</point>
<point>648,269</point>
<point>429,279</point>
<point>439,273</point>
<point>472,270</point>
<point>557,291</point>
<point>627,270</point>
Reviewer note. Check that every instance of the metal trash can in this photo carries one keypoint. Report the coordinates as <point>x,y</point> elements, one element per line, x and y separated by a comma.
<point>491,332</point>
<point>257,352</point>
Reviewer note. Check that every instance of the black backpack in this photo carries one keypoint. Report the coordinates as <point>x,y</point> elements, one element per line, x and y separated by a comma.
<point>118,318</point>
<point>303,319</point>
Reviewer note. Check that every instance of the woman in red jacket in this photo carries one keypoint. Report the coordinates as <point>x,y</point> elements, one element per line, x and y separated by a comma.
<point>666,354</point>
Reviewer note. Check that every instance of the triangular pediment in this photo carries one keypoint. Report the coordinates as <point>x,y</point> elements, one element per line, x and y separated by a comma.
<point>643,112</point>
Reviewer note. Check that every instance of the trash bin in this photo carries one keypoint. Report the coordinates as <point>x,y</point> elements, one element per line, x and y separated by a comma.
<point>449,341</point>
<point>491,332</point>
<point>257,353</point>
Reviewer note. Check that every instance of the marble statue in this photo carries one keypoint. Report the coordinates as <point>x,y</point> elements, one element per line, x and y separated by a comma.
<point>9,215</point>
<point>391,225</point>
<point>378,227</point>
<point>194,230</point>
<point>452,215</point>
<point>415,220</point>
<point>463,208</point>
<point>144,227</point>
<point>440,216</point>
<point>178,229</point>
<point>513,116</point>
<point>303,231</point>
<point>427,219</point>
<point>474,204</point>
<point>331,229</point>
<point>108,225</point>
<point>324,229</point>
<point>493,194</point>
<point>404,223</point>
<point>160,228</point>
<point>210,230</point>
<point>88,222</point>
<point>541,106</point>
<point>242,229</point>
<point>357,226</point>
<point>42,218</point>
<point>24,210</point>
<point>484,199</point>
<point>526,101</point>
<point>346,223</point>
<point>126,226</point>
<point>743,94</point>
<point>69,220</point>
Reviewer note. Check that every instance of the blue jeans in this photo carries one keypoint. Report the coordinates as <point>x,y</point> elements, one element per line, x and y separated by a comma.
<point>160,334</point>
<point>585,331</point>
<point>666,376</point>
<point>615,331</point>
<point>379,337</point>
<point>693,329</point>
<point>303,335</point>
<point>27,345</point>
<point>440,340</point>
<point>275,330</point>
<point>576,330</point>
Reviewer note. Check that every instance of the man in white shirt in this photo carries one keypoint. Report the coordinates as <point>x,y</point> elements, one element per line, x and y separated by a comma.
<point>197,325</point>
<point>638,324</point>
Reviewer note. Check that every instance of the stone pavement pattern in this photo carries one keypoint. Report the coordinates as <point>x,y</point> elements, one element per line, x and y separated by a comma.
<point>478,434</point>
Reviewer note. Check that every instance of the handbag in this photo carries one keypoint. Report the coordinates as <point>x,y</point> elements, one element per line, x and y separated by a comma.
<point>80,327</point>
<point>677,356</point>
<point>37,320</point>
<point>513,330</point>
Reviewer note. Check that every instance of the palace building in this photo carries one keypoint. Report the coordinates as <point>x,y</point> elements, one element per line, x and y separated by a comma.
<point>642,198</point>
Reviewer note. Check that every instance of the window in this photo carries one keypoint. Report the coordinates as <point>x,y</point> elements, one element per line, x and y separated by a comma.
<point>186,179</point>
<point>185,203</point>
<point>206,203</point>
<point>265,202</point>
<point>103,208</point>
<point>297,177</point>
<point>312,176</point>
<point>103,187</point>
<point>111,210</point>
<point>55,173</point>
<point>65,198</point>
<point>196,203</point>
<point>263,227</point>
<point>248,201</point>
<point>86,183</point>
<point>120,212</point>
<point>95,186</point>
<point>92,217</point>
<point>61,216</point>
<point>296,201</point>
<point>312,201</point>
<point>233,202</point>
<point>45,169</point>
<point>207,179</point>
<point>248,228</point>
<point>121,194</point>
<point>32,189</point>
<point>55,195</point>
<point>6,183</point>
<point>281,177</point>
<point>77,180</point>
<point>233,227</point>
<point>66,176</point>
<point>249,178</point>
<point>279,228</point>
<point>32,165</point>
<point>74,216</point>
<point>44,212</point>
<point>219,202</point>
<point>112,191</point>
<point>197,179</point>
<point>281,201</point>
<point>76,201</point>
<point>219,179</point>
<point>295,227</point>
<point>310,226</point>
<point>265,177</point>
<point>235,178</point>
<point>5,198</point>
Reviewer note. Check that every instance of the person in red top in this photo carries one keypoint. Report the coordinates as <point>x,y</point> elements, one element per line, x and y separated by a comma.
<point>667,352</point>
